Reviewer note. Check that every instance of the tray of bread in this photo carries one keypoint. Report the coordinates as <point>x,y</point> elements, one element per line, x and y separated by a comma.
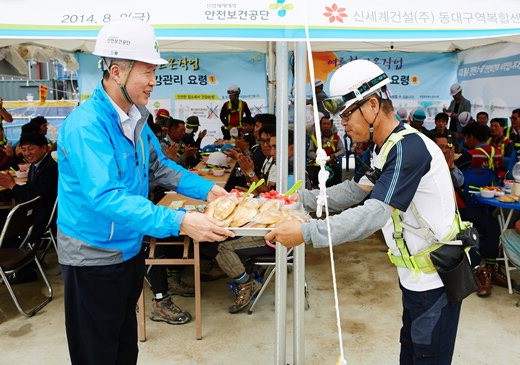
<point>248,215</point>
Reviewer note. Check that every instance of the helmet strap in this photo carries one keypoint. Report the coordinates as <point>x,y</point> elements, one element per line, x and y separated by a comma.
<point>123,87</point>
<point>371,124</point>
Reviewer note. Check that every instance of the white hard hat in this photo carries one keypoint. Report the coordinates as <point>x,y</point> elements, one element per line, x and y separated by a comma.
<point>217,159</point>
<point>455,89</point>
<point>318,82</point>
<point>128,40</point>
<point>464,119</point>
<point>352,83</point>
<point>233,89</point>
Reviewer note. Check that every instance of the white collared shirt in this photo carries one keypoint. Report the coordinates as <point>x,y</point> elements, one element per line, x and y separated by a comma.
<point>127,121</point>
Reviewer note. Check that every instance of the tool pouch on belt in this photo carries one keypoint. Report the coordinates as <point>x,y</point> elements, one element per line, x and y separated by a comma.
<point>453,267</point>
<point>448,258</point>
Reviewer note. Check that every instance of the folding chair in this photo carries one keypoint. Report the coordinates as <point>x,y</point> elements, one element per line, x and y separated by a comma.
<point>270,262</point>
<point>48,238</point>
<point>19,224</point>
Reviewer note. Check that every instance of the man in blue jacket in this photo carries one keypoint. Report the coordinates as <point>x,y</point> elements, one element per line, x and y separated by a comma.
<point>107,156</point>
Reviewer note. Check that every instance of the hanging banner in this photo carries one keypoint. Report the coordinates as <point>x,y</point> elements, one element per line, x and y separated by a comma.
<point>268,19</point>
<point>196,84</point>
<point>490,77</point>
<point>417,80</point>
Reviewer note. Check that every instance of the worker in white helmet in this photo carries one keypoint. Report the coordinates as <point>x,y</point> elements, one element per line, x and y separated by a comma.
<point>320,96</point>
<point>108,156</point>
<point>232,112</point>
<point>409,181</point>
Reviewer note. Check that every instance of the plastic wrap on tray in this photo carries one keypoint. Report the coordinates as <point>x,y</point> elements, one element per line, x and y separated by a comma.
<point>222,207</point>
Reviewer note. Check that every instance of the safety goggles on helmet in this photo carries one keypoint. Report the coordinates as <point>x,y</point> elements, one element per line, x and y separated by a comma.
<point>336,104</point>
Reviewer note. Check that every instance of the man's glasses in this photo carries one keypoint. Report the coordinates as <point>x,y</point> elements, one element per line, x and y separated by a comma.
<point>264,141</point>
<point>346,115</point>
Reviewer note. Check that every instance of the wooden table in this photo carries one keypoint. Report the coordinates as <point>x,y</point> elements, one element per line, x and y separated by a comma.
<point>220,180</point>
<point>167,200</point>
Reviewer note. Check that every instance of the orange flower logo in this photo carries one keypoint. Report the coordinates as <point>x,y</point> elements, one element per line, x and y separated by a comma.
<point>335,13</point>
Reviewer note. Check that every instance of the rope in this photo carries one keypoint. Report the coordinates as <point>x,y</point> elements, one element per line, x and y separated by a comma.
<point>321,159</point>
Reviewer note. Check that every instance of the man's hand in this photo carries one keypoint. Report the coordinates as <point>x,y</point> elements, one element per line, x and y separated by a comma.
<point>242,144</point>
<point>202,228</point>
<point>6,180</point>
<point>233,153</point>
<point>246,164</point>
<point>9,149</point>
<point>171,151</point>
<point>203,133</point>
<point>215,192</point>
<point>450,157</point>
<point>288,233</point>
<point>190,151</point>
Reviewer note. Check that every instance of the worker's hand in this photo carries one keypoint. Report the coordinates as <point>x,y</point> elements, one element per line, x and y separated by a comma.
<point>6,180</point>
<point>449,154</point>
<point>9,151</point>
<point>215,192</point>
<point>202,228</point>
<point>246,163</point>
<point>288,233</point>
<point>171,151</point>
<point>233,153</point>
<point>190,151</point>
<point>203,133</point>
<point>242,144</point>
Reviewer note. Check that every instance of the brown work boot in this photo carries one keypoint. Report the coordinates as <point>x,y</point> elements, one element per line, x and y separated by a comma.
<point>483,275</point>
<point>498,277</point>
<point>245,292</point>
<point>166,310</point>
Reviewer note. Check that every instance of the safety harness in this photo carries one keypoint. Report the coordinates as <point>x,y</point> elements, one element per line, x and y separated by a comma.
<point>420,262</point>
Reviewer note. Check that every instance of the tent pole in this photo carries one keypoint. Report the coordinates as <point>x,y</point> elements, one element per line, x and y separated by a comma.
<point>271,77</point>
<point>282,97</point>
<point>300,76</point>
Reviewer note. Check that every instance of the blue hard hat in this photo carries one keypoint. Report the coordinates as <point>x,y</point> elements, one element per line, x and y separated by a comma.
<point>226,147</point>
<point>209,148</point>
<point>419,116</point>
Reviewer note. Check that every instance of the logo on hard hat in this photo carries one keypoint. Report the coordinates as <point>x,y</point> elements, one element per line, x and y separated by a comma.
<point>117,40</point>
<point>156,46</point>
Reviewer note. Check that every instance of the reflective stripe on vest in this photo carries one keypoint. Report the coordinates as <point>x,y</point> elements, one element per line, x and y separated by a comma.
<point>238,110</point>
<point>491,164</point>
<point>332,144</point>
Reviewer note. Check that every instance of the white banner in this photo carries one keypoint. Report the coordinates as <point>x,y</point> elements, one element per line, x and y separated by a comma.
<point>268,19</point>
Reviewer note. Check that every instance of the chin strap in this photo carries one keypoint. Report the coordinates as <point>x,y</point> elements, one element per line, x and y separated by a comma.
<point>123,87</point>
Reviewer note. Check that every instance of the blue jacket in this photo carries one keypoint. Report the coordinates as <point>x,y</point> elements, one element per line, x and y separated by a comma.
<point>103,209</point>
